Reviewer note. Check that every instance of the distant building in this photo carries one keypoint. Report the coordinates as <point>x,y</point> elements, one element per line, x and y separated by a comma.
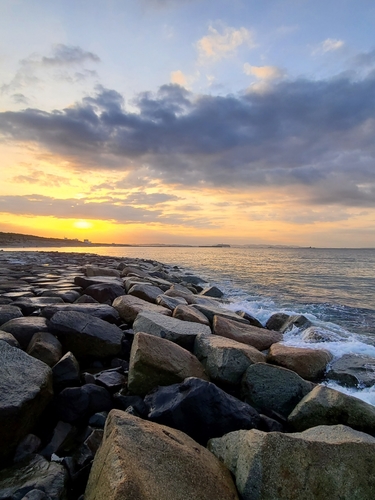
<point>88,242</point>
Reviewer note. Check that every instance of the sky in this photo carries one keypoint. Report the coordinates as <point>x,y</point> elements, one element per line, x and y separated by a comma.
<point>189,121</point>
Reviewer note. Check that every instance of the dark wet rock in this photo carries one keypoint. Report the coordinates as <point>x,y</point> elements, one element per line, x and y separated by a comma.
<point>276,321</point>
<point>251,319</point>
<point>86,299</point>
<point>23,329</point>
<point>9,312</point>
<point>156,362</point>
<point>66,372</point>
<point>35,473</point>
<point>85,335</point>
<point>194,280</point>
<point>326,406</point>
<point>127,465</point>
<point>210,311</point>
<point>260,338</point>
<point>146,292</point>
<point>200,409</point>
<point>212,291</point>
<point>272,389</point>
<point>111,380</point>
<point>182,333</point>
<point>310,364</point>
<point>315,334</point>
<point>26,389</point>
<point>84,282</point>
<point>9,339</point>
<point>320,463</point>
<point>61,433</point>
<point>29,445</point>
<point>18,295</point>
<point>353,370</point>
<point>188,313</point>
<point>122,402</point>
<point>98,419</point>
<point>46,347</point>
<point>105,293</point>
<point>102,311</point>
<point>131,281</point>
<point>129,307</point>
<point>68,296</point>
<point>225,360</point>
<point>76,404</point>
<point>32,304</point>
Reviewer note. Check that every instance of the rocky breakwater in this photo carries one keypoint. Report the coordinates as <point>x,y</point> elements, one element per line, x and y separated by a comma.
<point>126,378</point>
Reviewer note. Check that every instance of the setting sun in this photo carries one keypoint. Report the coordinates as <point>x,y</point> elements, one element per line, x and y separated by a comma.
<point>83,224</point>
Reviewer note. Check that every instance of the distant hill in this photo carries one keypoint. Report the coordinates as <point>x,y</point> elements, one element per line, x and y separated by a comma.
<point>28,240</point>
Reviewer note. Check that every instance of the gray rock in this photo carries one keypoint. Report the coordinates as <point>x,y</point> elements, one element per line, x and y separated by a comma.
<point>105,293</point>
<point>225,360</point>
<point>142,460</point>
<point>188,313</point>
<point>146,292</point>
<point>9,338</point>
<point>353,370</point>
<point>66,372</point>
<point>129,306</point>
<point>35,473</point>
<point>273,389</point>
<point>182,333</point>
<point>23,329</point>
<point>85,335</point>
<point>326,406</point>
<point>276,321</point>
<point>260,338</point>
<point>26,389</point>
<point>46,347</point>
<point>170,302</point>
<point>29,445</point>
<point>324,462</point>
<point>212,310</point>
<point>68,296</point>
<point>102,311</point>
<point>212,291</point>
<point>156,361</point>
<point>9,312</point>
<point>32,304</point>
<point>101,271</point>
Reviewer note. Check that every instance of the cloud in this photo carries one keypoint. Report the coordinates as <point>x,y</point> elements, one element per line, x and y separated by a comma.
<point>328,45</point>
<point>63,55</point>
<point>364,59</point>
<point>179,78</point>
<point>216,45</point>
<point>41,178</point>
<point>307,138</point>
<point>263,72</point>
<point>20,99</point>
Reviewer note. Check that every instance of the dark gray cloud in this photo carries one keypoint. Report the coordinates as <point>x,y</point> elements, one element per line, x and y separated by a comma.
<point>63,55</point>
<point>310,134</point>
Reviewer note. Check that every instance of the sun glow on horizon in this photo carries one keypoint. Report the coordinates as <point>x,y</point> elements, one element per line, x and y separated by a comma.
<point>83,224</point>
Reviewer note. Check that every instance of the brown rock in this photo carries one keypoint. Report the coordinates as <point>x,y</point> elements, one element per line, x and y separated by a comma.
<point>128,307</point>
<point>187,313</point>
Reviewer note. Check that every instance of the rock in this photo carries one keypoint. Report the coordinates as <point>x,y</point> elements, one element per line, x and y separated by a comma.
<point>310,364</point>
<point>9,312</point>
<point>225,360</point>
<point>98,419</point>
<point>29,445</point>
<point>182,333</point>
<point>101,271</point>
<point>212,291</point>
<point>141,460</point>
<point>46,347</point>
<point>66,372</point>
<point>276,321</point>
<point>33,474</point>
<point>86,299</point>
<point>24,328</point>
<point>111,380</point>
<point>86,335</point>
<point>32,304</point>
<point>129,306</point>
<point>188,313</point>
<point>296,320</point>
<point>200,409</point>
<point>212,310</point>
<point>182,292</point>
<point>252,321</point>
<point>260,338</point>
<point>130,281</point>
<point>102,311</point>
<point>156,361</point>
<point>9,339</point>
<point>84,282</point>
<point>26,389</point>
<point>170,302</point>
<point>316,334</point>
<point>60,434</point>
<point>77,404</point>
<point>149,293</point>
<point>272,389</point>
<point>323,462</point>
<point>68,296</point>
<point>353,370</point>
<point>193,280</point>
<point>326,406</point>
<point>105,293</point>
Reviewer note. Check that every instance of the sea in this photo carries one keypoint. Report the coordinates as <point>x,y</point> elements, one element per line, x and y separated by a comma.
<point>333,288</point>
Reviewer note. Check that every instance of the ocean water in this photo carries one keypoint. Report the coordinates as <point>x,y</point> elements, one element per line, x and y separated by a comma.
<point>334,288</point>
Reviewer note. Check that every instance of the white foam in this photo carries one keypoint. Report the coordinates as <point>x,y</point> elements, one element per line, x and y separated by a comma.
<point>367,395</point>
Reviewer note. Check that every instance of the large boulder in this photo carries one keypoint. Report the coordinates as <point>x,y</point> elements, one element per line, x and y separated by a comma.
<point>35,478</point>
<point>333,462</point>
<point>142,460</point>
<point>26,389</point>
<point>155,361</point>
<point>101,271</point>
<point>310,364</point>
<point>326,406</point>
<point>102,311</point>
<point>272,389</point>
<point>170,302</point>
<point>181,291</point>
<point>128,307</point>
<point>66,372</point>
<point>180,332</point>
<point>8,312</point>
<point>211,310</point>
<point>200,409</point>
<point>46,347</point>
<point>353,370</point>
<point>77,404</point>
<point>188,313</point>
<point>149,293</point>
<point>105,293</point>
<point>85,335</point>
<point>225,360</point>
<point>28,305</point>
<point>9,338</point>
<point>260,338</point>
<point>23,329</point>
